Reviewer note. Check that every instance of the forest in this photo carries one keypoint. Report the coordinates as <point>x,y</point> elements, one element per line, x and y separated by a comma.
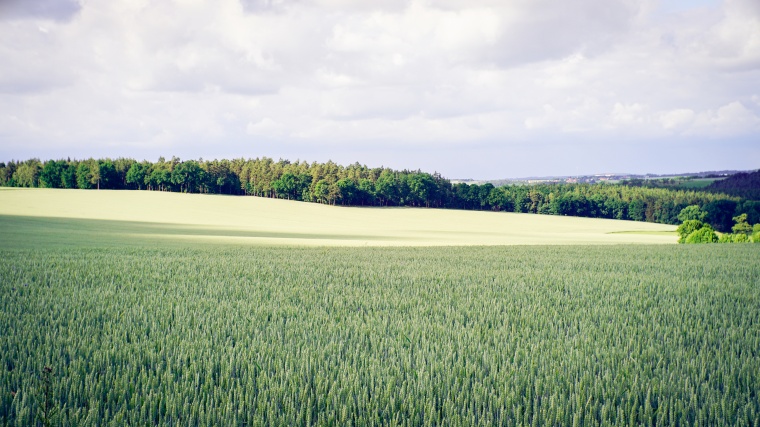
<point>742,184</point>
<point>359,185</point>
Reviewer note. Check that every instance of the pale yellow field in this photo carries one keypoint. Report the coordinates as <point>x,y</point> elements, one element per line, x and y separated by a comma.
<point>253,220</point>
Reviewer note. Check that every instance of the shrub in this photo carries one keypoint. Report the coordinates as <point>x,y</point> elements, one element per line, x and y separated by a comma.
<point>706,234</point>
<point>689,226</point>
<point>741,238</point>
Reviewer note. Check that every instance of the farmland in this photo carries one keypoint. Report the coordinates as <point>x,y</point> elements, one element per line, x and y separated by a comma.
<point>34,217</point>
<point>412,336</point>
<point>203,329</point>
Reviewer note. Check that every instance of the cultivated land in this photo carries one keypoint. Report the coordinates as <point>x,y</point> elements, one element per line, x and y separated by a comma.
<point>153,313</point>
<point>143,217</point>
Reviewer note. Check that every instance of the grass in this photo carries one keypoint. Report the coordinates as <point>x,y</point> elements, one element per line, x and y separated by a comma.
<point>107,218</point>
<point>174,309</point>
<point>649,232</point>
<point>215,335</point>
<point>697,183</point>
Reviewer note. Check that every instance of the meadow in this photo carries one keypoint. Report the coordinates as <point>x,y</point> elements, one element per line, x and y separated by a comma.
<point>212,331</point>
<point>34,217</point>
<point>697,183</point>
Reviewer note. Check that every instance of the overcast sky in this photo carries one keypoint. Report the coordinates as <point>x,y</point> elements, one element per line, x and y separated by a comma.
<point>478,89</point>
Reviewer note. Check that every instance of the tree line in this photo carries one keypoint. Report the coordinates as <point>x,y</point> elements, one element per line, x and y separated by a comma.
<point>359,185</point>
<point>695,229</point>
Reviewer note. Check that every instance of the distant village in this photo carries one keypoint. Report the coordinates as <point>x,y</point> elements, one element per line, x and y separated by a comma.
<point>611,178</point>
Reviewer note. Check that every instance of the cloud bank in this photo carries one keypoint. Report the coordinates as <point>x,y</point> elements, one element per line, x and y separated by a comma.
<point>482,88</point>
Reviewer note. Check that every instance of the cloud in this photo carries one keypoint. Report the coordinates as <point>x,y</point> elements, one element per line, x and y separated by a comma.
<point>338,76</point>
<point>59,10</point>
<point>677,119</point>
<point>261,6</point>
<point>264,127</point>
<point>628,114</point>
<point>728,120</point>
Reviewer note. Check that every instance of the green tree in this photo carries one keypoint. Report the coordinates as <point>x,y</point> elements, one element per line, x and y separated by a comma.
<point>6,174</point>
<point>158,179</point>
<point>222,178</point>
<point>347,191</point>
<point>689,226</point>
<point>285,186</point>
<point>366,191</point>
<point>386,187</point>
<point>69,175</point>
<point>88,174</point>
<point>618,208</point>
<point>483,192</point>
<point>107,177</point>
<point>122,166</point>
<point>462,199</point>
<point>84,176</point>
<point>498,200</point>
<point>333,193</point>
<point>187,176</point>
<point>692,212</point>
<point>27,174</point>
<point>50,176</point>
<point>720,214</point>
<point>741,227</point>
<point>637,209</point>
<point>136,175</point>
<point>321,191</point>
<point>422,188</point>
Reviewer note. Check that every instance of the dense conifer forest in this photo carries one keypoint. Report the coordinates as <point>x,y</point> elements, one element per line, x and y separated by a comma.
<point>359,185</point>
<point>743,184</point>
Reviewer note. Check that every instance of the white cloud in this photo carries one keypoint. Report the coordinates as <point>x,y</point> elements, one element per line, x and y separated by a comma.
<point>264,127</point>
<point>730,119</point>
<point>677,119</point>
<point>629,114</point>
<point>340,74</point>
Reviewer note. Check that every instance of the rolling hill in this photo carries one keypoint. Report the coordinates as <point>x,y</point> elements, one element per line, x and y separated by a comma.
<point>50,216</point>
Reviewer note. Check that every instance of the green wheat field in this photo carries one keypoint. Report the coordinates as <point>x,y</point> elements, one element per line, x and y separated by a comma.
<point>155,309</point>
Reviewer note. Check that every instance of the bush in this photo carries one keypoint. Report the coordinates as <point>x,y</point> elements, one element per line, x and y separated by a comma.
<point>705,234</point>
<point>689,226</point>
<point>741,238</point>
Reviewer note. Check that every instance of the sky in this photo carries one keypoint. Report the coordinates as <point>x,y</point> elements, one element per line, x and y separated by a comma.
<point>480,89</point>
